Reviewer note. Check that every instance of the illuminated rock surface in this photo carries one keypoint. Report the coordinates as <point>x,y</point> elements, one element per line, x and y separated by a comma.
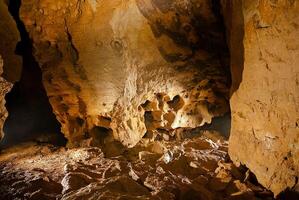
<point>9,37</point>
<point>196,168</point>
<point>149,74</point>
<point>265,99</point>
<point>129,66</point>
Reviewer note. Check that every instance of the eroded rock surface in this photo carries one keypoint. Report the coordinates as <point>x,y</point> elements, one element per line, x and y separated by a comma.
<point>9,36</point>
<point>5,88</point>
<point>10,64</point>
<point>129,66</point>
<point>265,131</point>
<point>195,168</point>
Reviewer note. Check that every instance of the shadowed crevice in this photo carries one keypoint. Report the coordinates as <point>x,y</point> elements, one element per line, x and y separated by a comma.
<point>30,113</point>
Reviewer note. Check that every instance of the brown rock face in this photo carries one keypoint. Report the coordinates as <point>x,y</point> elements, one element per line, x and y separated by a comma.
<point>9,35</point>
<point>10,64</point>
<point>146,68</point>
<point>265,131</point>
<point>129,66</point>
<point>5,88</point>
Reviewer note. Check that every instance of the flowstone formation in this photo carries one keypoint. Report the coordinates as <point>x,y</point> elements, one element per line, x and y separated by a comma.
<point>265,100</point>
<point>10,64</point>
<point>128,68</point>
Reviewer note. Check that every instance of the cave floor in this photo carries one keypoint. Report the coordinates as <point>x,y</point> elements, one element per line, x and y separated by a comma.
<point>195,168</point>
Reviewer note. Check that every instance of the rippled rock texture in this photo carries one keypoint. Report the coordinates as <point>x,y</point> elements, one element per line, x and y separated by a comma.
<point>196,168</point>
<point>10,64</point>
<point>265,98</point>
<point>129,67</point>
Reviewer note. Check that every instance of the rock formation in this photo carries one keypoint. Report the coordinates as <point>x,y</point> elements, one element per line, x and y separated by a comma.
<point>10,64</point>
<point>265,95</point>
<point>191,169</point>
<point>147,70</point>
<point>129,66</point>
<point>5,87</point>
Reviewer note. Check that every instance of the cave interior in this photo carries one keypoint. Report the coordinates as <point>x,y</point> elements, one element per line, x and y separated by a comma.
<point>147,99</point>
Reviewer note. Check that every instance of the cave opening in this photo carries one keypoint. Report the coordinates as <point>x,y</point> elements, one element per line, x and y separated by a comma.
<point>30,115</point>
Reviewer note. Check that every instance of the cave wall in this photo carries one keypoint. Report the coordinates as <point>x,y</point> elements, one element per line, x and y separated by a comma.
<point>10,63</point>
<point>129,66</point>
<point>137,66</point>
<point>5,88</point>
<point>9,37</point>
<point>263,39</point>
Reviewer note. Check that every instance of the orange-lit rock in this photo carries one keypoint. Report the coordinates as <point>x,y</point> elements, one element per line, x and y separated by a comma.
<point>104,60</point>
<point>265,100</point>
<point>9,36</point>
<point>146,74</point>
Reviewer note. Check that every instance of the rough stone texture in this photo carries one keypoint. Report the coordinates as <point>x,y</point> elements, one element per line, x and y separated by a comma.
<point>129,66</point>
<point>5,87</point>
<point>9,35</point>
<point>10,68</point>
<point>195,168</point>
<point>265,104</point>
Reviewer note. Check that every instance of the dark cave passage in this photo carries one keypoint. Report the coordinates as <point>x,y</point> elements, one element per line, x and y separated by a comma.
<point>30,113</point>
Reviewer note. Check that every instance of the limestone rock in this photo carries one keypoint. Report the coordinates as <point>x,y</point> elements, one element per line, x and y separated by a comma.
<point>85,173</point>
<point>5,88</point>
<point>265,101</point>
<point>10,64</point>
<point>74,181</point>
<point>9,36</point>
<point>129,66</point>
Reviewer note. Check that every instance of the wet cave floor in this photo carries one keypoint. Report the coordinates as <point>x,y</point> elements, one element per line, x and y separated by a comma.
<point>195,167</point>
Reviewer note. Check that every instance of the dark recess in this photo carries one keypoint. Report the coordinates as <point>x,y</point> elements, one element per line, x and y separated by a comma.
<point>30,117</point>
<point>288,195</point>
<point>224,53</point>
